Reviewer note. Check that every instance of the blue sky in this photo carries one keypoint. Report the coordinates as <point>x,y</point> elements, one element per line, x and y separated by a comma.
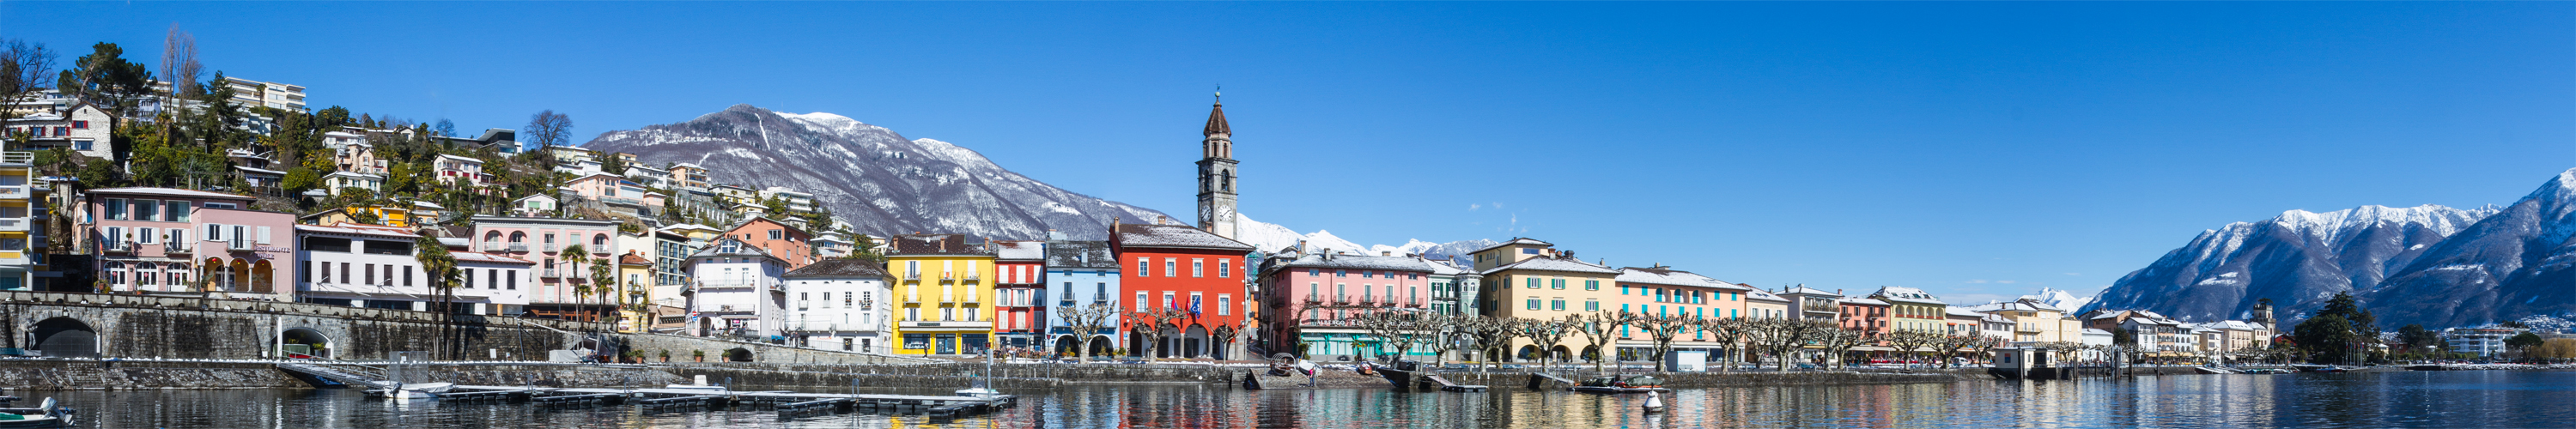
<point>1975,150</point>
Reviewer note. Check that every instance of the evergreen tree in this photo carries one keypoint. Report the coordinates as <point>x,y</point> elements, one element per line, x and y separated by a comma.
<point>106,78</point>
<point>2337,333</point>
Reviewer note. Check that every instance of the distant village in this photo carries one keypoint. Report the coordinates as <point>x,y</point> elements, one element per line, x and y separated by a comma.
<point>115,182</point>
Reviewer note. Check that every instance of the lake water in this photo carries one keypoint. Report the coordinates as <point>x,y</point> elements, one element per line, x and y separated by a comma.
<point>2444,399</point>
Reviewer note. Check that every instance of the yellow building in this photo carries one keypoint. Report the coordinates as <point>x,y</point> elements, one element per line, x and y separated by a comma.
<point>1912,309</point>
<point>22,221</point>
<point>942,284</point>
<point>1528,278</point>
<point>634,287</point>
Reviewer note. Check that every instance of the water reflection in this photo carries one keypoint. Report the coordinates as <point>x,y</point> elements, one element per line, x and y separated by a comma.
<point>2396,399</point>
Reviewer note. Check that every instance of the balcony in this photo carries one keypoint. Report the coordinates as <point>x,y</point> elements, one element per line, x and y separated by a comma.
<point>947,276</point>
<point>518,246</point>
<point>1341,299</point>
<point>115,246</point>
<point>974,299</point>
<point>974,276</point>
<point>15,223</point>
<point>913,276</point>
<point>492,246</point>
<point>176,247</point>
<point>15,192</point>
<point>241,244</point>
<point>17,157</point>
<point>550,273</point>
<point>911,299</point>
<point>552,248</point>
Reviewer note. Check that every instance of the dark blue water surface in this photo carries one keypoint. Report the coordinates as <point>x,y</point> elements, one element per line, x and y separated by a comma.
<point>2444,399</point>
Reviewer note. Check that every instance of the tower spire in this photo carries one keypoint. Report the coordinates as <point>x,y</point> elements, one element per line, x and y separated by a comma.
<point>1216,118</point>
<point>1216,173</point>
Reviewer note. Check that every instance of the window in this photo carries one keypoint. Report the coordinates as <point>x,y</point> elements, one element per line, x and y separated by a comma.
<point>1591,285</point>
<point>1171,267</point>
<point>115,208</point>
<point>147,235</point>
<point>777,234</point>
<point>370,274</point>
<point>1533,284</point>
<point>1197,302</point>
<point>469,278</point>
<point>1198,267</point>
<point>1529,250</point>
<point>80,145</point>
<point>1533,303</point>
<point>146,209</point>
<point>177,211</point>
<point>1558,284</point>
<point>1223,305</point>
<point>916,341</point>
<point>1224,268</point>
<point>1140,302</point>
<point>599,243</point>
<point>1144,268</point>
<point>1590,305</point>
<point>514,280</point>
<point>221,206</point>
<point>1167,299</point>
<point>80,125</point>
<point>1556,304</point>
<point>406,275</point>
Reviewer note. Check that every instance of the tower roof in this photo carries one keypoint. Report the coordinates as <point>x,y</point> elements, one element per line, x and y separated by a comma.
<point>1216,121</point>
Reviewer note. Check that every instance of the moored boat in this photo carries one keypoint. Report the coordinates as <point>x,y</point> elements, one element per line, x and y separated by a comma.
<point>47,415</point>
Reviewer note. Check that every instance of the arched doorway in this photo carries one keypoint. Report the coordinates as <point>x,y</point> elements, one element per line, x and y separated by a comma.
<point>1068,345</point>
<point>1196,341</point>
<point>1529,352</point>
<point>260,273</point>
<point>304,341</point>
<point>1592,353</point>
<point>738,354</point>
<point>234,280</point>
<point>1100,345</point>
<point>1560,353</point>
<point>65,337</point>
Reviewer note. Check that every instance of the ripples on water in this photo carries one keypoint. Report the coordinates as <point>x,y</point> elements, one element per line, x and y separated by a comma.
<point>2393,399</point>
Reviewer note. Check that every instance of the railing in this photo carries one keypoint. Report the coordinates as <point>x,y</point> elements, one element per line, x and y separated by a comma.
<point>974,276</point>
<point>1341,299</point>
<point>14,224</point>
<point>550,273</point>
<point>117,246</point>
<point>552,248</point>
<point>13,191</point>
<point>518,246</point>
<point>175,247</point>
<point>974,299</point>
<point>240,244</point>
<point>492,246</point>
<point>911,299</point>
<point>946,276</point>
<point>17,157</point>
<point>913,276</point>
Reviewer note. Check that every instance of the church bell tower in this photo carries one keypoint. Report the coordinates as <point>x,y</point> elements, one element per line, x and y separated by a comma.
<point>1216,175</point>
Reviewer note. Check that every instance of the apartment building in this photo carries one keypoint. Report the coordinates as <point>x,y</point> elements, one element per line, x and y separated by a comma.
<point>248,92</point>
<point>1531,278</point>
<point>839,304</point>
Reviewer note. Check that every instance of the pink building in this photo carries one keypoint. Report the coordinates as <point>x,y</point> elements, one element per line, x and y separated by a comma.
<point>1311,296</point>
<point>559,274</point>
<point>177,241</point>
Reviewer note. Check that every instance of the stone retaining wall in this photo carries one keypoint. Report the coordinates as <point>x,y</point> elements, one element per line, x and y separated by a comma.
<point>87,375</point>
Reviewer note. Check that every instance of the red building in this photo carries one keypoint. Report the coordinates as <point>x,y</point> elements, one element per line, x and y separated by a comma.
<point>1864,314</point>
<point>1201,275</point>
<point>1020,289</point>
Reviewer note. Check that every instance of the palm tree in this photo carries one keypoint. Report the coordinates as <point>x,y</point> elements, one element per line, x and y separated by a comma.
<point>603,277</point>
<point>440,266</point>
<point>575,255</point>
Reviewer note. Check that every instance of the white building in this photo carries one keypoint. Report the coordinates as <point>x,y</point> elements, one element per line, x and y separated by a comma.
<point>738,291</point>
<point>83,127</point>
<point>339,182</point>
<point>376,267</point>
<point>495,278</point>
<point>839,305</point>
<point>2484,342</point>
<point>248,92</point>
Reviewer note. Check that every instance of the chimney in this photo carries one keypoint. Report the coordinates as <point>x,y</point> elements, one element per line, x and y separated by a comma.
<point>1385,253</point>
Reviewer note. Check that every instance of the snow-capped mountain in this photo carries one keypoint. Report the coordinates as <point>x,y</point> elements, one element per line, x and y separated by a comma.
<point>2060,299</point>
<point>1270,237</point>
<point>2515,264</point>
<point>2296,259</point>
<point>873,177</point>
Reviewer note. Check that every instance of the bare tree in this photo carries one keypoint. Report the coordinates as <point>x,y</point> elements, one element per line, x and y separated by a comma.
<point>1784,338</point>
<point>1913,343</point>
<point>1836,341</point>
<point>1730,334</point>
<point>1155,326</point>
<point>1402,330</point>
<point>1087,321</point>
<point>1662,328</point>
<point>1545,333</point>
<point>548,128</point>
<point>179,67</point>
<point>24,68</point>
<point>1452,328</point>
<point>1601,329</point>
<point>1493,336</point>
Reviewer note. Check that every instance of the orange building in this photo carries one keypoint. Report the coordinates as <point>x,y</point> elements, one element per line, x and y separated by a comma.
<point>787,242</point>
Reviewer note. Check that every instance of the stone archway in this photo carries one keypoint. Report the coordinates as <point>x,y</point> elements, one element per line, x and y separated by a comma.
<point>737,354</point>
<point>65,337</point>
<point>1068,345</point>
<point>1529,352</point>
<point>1100,345</point>
<point>1195,341</point>
<point>306,341</point>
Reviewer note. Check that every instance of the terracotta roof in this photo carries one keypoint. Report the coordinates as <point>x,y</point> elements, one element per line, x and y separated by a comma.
<point>358,229</point>
<point>839,267</point>
<point>633,259</point>
<point>1172,236</point>
<point>933,244</point>
<point>1216,121</point>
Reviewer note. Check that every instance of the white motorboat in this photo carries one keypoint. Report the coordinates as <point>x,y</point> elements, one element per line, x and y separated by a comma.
<point>47,415</point>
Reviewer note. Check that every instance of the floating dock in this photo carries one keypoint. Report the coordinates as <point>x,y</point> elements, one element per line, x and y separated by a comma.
<point>786,404</point>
